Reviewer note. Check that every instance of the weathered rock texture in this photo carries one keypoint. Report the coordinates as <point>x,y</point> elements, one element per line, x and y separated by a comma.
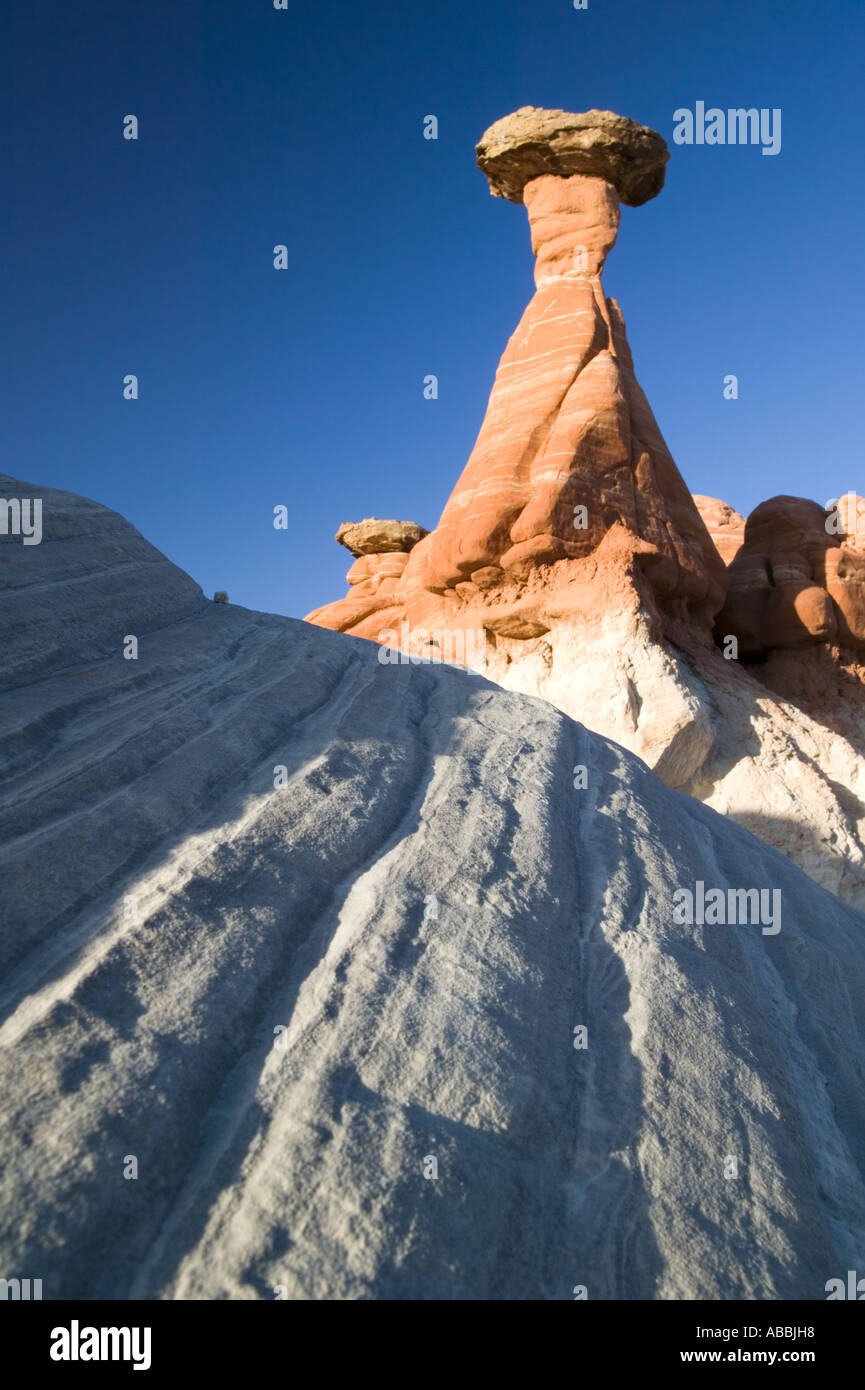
<point>725,525</point>
<point>375,537</point>
<point>794,583</point>
<point>569,449</point>
<point>284,923</point>
<point>790,764</point>
<point>571,561</point>
<point>570,531</point>
<point>533,142</point>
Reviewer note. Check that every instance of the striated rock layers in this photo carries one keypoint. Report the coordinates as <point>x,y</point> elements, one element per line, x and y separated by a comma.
<point>311,938</point>
<point>571,561</point>
<point>570,532</point>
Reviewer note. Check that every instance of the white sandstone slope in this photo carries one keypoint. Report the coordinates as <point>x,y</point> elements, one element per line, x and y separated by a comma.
<point>283,1003</point>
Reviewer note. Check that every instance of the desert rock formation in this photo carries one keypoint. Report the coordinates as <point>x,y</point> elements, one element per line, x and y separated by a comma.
<point>533,142</point>
<point>795,582</point>
<point>571,561</point>
<point>373,536</point>
<point>725,525</point>
<point>569,460</point>
<point>286,923</point>
<point>570,542</point>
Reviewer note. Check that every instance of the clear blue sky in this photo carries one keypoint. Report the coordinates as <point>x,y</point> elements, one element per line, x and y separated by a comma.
<point>304,387</point>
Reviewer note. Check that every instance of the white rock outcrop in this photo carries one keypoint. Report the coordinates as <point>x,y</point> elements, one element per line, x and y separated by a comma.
<point>305,940</point>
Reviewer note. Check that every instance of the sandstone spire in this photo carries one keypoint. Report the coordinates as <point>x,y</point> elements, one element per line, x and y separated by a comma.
<point>570,501</point>
<point>569,449</point>
<point>567,427</point>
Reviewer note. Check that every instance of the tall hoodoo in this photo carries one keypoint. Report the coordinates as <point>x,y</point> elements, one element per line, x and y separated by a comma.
<point>567,426</point>
<point>570,501</point>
